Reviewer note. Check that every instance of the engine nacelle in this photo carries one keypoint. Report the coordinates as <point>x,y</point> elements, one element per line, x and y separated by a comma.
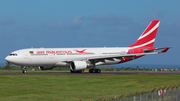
<point>78,65</point>
<point>46,67</point>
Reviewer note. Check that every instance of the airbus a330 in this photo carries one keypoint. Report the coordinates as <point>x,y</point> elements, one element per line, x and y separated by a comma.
<point>79,59</point>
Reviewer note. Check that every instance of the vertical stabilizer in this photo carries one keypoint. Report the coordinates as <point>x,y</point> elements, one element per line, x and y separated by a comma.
<point>147,38</point>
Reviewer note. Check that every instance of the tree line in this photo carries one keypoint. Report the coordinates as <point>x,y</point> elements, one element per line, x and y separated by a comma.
<point>103,68</point>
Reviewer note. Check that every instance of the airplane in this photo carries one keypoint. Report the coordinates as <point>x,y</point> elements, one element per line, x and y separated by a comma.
<point>78,59</point>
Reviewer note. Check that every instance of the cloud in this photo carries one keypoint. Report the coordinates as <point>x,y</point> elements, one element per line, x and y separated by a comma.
<point>21,28</point>
<point>111,20</point>
<point>74,23</point>
<point>7,21</point>
<point>109,24</point>
<point>178,22</point>
<point>96,23</point>
<point>156,14</point>
<point>77,20</point>
<point>102,17</point>
<point>94,27</point>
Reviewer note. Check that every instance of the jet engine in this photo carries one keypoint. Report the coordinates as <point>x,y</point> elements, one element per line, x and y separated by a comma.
<point>46,67</point>
<point>78,65</point>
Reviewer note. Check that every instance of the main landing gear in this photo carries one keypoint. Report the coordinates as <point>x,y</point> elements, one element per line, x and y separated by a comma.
<point>94,71</point>
<point>90,71</point>
<point>24,71</point>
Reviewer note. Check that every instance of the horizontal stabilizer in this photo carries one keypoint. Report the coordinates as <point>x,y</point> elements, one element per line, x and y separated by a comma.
<point>152,50</point>
<point>166,49</point>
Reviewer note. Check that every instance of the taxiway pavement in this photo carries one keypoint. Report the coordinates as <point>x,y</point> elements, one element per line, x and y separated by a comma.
<point>103,73</point>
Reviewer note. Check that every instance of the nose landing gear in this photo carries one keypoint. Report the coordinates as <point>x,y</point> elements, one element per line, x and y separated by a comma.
<point>24,70</point>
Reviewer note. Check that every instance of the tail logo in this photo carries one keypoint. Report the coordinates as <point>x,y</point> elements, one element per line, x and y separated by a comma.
<point>148,36</point>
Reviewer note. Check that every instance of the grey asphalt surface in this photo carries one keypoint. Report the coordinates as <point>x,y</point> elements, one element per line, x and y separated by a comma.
<point>103,73</point>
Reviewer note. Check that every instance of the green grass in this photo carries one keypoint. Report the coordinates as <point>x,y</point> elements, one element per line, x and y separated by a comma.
<point>29,71</point>
<point>77,87</point>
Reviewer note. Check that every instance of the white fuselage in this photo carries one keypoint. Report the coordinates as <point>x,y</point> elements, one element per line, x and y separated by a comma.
<point>59,56</point>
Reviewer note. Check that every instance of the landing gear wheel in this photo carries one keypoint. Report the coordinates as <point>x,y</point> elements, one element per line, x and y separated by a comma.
<point>24,71</point>
<point>71,71</point>
<point>94,71</point>
<point>90,71</point>
<point>80,71</point>
<point>98,71</point>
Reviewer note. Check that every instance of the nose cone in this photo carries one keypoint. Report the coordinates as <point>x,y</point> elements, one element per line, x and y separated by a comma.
<point>10,59</point>
<point>7,58</point>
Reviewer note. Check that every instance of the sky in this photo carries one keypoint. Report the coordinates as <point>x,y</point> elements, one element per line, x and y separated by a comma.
<point>89,23</point>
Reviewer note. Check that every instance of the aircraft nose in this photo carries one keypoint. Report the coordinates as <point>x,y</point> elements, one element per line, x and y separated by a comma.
<point>7,59</point>
<point>11,59</point>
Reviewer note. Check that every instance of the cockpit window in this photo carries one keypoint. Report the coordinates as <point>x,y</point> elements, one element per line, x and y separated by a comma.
<point>13,54</point>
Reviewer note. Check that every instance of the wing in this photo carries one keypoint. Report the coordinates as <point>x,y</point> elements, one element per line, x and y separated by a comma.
<point>118,56</point>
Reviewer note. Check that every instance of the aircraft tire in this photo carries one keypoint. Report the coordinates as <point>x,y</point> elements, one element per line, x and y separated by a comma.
<point>90,70</point>
<point>71,71</point>
<point>98,71</point>
<point>80,71</point>
<point>24,71</point>
<point>94,71</point>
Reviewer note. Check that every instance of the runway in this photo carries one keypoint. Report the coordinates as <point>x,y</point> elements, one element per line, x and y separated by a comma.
<point>103,73</point>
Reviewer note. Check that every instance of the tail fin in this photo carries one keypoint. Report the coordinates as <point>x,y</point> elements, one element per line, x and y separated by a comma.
<point>147,38</point>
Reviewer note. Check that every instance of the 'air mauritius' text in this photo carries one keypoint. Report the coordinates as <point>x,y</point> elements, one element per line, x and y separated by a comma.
<point>52,52</point>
